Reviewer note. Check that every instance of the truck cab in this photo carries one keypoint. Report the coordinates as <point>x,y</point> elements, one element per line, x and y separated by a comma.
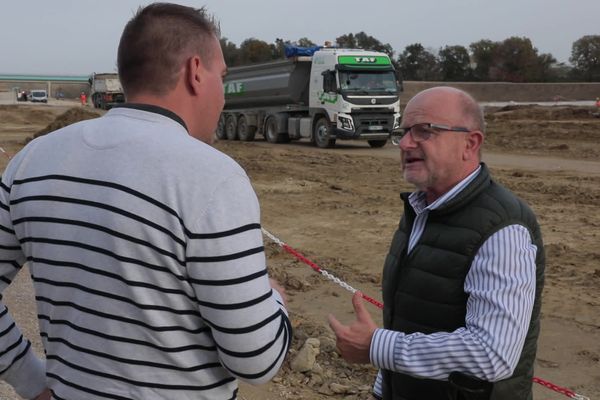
<point>106,90</point>
<point>358,93</point>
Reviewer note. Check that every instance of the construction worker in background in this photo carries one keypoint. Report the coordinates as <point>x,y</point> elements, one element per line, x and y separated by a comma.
<point>598,102</point>
<point>83,98</point>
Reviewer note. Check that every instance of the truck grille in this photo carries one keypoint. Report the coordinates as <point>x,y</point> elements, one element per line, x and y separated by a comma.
<point>370,124</point>
<point>374,122</point>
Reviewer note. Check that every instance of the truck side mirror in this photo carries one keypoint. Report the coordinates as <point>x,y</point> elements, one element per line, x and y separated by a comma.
<point>399,81</point>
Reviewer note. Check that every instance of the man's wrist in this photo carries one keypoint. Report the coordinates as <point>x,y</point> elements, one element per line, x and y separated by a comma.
<point>381,352</point>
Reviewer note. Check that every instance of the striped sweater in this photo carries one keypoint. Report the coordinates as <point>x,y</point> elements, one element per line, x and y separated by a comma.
<point>146,254</point>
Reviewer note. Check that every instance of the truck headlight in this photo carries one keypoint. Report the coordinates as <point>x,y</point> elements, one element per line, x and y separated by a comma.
<point>396,123</point>
<point>346,123</point>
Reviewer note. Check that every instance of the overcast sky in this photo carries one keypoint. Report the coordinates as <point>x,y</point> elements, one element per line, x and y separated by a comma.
<point>78,37</point>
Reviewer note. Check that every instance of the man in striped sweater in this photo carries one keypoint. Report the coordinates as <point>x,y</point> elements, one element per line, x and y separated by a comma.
<point>143,242</point>
<point>463,279</point>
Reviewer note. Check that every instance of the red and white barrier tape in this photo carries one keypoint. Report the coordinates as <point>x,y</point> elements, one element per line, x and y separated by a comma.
<point>299,256</point>
<point>5,153</point>
<point>569,393</point>
<point>320,270</point>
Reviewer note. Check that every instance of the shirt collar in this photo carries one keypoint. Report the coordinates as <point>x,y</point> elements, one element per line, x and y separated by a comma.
<point>418,200</point>
<point>154,109</point>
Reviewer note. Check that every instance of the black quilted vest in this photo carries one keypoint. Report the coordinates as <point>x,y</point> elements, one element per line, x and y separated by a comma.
<point>424,291</point>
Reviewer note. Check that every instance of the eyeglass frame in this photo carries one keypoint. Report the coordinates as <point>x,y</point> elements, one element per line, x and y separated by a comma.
<point>395,137</point>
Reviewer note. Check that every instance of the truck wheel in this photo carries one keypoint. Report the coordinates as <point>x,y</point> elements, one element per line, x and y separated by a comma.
<point>271,133</point>
<point>377,143</point>
<point>245,132</point>
<point>322,134</point>
<point>231,128</point>
<point>221,129</point>
<point>271,130</point>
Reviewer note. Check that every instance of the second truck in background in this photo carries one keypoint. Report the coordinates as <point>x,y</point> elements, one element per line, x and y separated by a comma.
<point>106,90</point>
<point>332,94</point>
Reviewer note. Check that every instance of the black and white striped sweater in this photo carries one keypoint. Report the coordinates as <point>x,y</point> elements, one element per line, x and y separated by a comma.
<point>145,249</point>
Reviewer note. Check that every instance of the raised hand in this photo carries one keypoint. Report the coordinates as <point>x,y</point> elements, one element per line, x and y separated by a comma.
<point>354,340</point>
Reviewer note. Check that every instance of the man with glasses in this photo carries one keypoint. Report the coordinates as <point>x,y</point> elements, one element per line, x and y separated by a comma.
<point>463,278</point>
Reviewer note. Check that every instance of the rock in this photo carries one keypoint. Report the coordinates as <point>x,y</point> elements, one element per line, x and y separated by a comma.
<point>300,335</point>
<point>315,381</point>
<point>365,388</point>
<point>327,344</point>
<point>306,357</point>
<point>317,369</point>
<point>324,389</point>
<point>338,388</point>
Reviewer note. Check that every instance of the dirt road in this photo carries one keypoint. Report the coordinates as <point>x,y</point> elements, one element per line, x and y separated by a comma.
<point>493,159</point>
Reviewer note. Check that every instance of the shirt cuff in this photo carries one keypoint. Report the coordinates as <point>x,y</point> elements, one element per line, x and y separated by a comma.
<point>381,352</point>
<point>27,375</point>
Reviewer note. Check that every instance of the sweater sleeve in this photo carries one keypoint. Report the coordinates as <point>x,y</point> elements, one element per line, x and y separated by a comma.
<point>19,366</point>
<point>227,268</point>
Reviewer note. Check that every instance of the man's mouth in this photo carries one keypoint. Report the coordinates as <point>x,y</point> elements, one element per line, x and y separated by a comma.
<point>411,160</point>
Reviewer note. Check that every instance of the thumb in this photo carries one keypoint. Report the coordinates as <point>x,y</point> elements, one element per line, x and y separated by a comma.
<point>336,326</point>
<point>359,307</point>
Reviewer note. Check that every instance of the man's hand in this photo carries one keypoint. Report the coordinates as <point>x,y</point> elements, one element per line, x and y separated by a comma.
<point>275,285</point>
<point>354,340</point>
<point>45,395</point>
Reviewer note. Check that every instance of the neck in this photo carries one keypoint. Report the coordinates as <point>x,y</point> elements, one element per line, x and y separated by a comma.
<point>434,193</point>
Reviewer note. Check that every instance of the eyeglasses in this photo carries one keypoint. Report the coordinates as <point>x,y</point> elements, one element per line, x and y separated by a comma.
<point>422,132</point>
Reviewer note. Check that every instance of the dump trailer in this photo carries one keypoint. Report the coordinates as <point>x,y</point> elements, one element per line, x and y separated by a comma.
<point>329,94</point>
<point>106,90</point>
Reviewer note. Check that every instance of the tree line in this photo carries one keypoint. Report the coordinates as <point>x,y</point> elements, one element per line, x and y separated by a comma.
<point>514,59</point>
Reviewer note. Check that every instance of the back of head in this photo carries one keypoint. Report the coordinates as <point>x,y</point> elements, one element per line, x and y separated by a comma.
<point>157,41</point>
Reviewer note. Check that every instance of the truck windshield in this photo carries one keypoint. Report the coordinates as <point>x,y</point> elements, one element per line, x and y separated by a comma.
<point>38,94</point>
<point>368,82</point>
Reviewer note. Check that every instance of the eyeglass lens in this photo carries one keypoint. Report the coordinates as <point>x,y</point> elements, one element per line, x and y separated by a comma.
<point>419,133</point>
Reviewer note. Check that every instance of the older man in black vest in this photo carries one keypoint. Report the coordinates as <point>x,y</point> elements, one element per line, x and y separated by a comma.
<point>463,279</point>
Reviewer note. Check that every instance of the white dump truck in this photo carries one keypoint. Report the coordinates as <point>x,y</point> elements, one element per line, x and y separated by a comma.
<point>331,94</point>
<point>106,90</point>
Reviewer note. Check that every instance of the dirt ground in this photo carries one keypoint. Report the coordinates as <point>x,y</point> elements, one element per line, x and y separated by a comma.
<point>339,207</point>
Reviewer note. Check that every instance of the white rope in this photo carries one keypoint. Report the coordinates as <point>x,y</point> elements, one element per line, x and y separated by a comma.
<point>326,274</point>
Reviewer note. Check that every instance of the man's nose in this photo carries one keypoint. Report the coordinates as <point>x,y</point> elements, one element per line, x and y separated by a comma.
<point>407,141</point>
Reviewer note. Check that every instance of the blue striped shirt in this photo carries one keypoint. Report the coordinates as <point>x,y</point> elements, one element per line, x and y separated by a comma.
<point>501,289</point>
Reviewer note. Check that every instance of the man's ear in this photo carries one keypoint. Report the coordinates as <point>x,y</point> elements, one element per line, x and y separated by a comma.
<point>474,141</point>
<point>194,74</point>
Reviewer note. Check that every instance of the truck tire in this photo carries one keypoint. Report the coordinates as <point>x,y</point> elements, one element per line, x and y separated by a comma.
<point>221,129</point>
<point>271,130</point>
<point>244,131</point>
<point>377,143</point>
<point>322,134</point>
<point>231,128</point>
